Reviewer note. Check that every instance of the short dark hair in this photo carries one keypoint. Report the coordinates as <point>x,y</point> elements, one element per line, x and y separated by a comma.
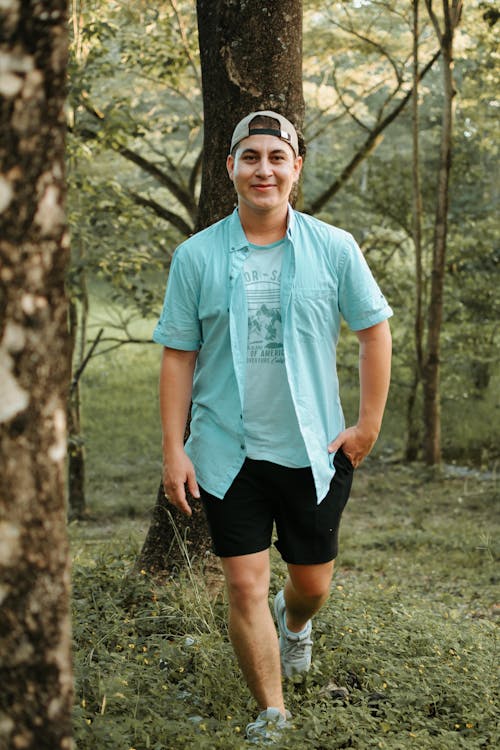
<point>263,121</point>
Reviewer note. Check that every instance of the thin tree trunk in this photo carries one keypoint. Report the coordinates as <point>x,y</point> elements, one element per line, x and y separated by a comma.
<point>432,369</point>
<point>432,403</point>
<point>413,431</point>
<point>35,638</point>
<point>78,318</point>
<point>77,503</point>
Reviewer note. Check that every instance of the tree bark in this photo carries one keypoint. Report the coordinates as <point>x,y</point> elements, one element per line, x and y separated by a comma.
<point>251,59</point>
<point>172,540</point>
<point>431,382</point>
<point>35,640</point>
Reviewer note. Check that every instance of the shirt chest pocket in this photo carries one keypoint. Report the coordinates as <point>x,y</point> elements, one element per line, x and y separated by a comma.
<point>314,312</point>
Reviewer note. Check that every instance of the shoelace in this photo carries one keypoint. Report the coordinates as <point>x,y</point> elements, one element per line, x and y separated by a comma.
<point>297,648</point>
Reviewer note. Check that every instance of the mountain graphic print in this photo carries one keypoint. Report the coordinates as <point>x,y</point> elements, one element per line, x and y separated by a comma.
<point>262,281</point>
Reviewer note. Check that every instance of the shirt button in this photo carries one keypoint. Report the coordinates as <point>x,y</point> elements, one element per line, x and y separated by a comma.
<point>242,447</point>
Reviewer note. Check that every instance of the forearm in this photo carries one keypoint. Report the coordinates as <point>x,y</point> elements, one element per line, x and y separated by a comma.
<point>176,384</point>
<point>374,376</point>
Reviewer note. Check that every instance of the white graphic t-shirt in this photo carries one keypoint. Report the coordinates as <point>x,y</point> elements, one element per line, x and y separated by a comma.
<point>271,429</point>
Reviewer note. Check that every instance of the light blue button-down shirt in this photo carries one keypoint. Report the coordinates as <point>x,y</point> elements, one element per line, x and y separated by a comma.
<point>324,278</point>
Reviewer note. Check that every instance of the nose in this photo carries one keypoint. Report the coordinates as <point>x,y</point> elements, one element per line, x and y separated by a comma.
<point>264,167</point>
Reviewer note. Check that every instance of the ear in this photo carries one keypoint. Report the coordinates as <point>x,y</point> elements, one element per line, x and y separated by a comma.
<point>230,166</point>
<point>297,167</point>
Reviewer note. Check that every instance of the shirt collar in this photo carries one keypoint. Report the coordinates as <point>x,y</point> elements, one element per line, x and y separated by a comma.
<point>290,227</point>
<point>237,237</point>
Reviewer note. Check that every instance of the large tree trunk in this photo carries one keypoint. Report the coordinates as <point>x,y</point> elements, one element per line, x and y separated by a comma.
<point>35,670</point>
<point>432,401</point>
<point>251,59</point>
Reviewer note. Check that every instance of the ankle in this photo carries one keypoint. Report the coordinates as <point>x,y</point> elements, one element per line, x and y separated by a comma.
<point>296,628</point>
<point>279,707</point>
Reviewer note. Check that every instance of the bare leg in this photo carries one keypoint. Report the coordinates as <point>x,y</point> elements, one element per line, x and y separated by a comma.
<point>306,590</point>
<point>251,627</point>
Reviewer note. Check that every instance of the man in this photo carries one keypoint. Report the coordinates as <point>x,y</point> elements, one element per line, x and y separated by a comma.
<point>249,327</point>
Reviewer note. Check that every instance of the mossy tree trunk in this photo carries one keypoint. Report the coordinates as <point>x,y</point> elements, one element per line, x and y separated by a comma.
<point>251,59</point>
<point>35,638</point>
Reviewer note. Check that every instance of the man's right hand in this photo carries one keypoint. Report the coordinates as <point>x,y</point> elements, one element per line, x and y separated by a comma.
<point>178,471</point>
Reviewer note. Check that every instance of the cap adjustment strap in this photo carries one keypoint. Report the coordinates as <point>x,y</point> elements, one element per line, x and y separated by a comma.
<point>270,131</point>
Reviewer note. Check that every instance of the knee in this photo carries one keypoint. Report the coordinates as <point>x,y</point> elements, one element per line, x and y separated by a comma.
<point>247,591</point>
<point>311,584</point>
<point>313,591</point>
<point>247,587</point>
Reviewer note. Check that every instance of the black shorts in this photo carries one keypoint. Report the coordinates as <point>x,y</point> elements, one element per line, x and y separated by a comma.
<point>264,493</point>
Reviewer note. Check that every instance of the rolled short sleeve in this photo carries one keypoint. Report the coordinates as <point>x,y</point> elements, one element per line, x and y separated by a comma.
<point>179,325</point>
<point>361,301</point>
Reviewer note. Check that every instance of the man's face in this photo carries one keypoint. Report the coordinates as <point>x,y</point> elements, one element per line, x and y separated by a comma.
<point>263,170</point>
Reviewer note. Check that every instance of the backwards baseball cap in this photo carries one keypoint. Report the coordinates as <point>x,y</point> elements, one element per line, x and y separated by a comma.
<point>284,129</point>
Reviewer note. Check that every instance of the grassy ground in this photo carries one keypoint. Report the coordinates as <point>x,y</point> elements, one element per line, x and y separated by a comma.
<point>409,632</point>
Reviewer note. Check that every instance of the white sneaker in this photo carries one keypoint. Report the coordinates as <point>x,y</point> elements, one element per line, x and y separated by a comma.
<point>295,648</point>
<point>268,726</point>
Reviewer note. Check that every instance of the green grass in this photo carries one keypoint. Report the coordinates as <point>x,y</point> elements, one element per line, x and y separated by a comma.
<point>121,427</point>
<point>409,630</point>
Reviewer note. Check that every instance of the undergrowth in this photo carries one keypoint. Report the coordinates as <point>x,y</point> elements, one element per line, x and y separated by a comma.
<point>405,650</point>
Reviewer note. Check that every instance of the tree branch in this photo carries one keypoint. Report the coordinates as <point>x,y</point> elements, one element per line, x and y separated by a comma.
<point>346,106</point>
<point>182,32</point>
<point>118,343</point>
<point>370,144</point>
<point>373,43</point>
<point>78,374</point>
<point>456,9</point>
<point>163,178</point>
<point>434,19</point>
<point>178,191</point>
<point>325,124</point>
<point>174,219</point>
